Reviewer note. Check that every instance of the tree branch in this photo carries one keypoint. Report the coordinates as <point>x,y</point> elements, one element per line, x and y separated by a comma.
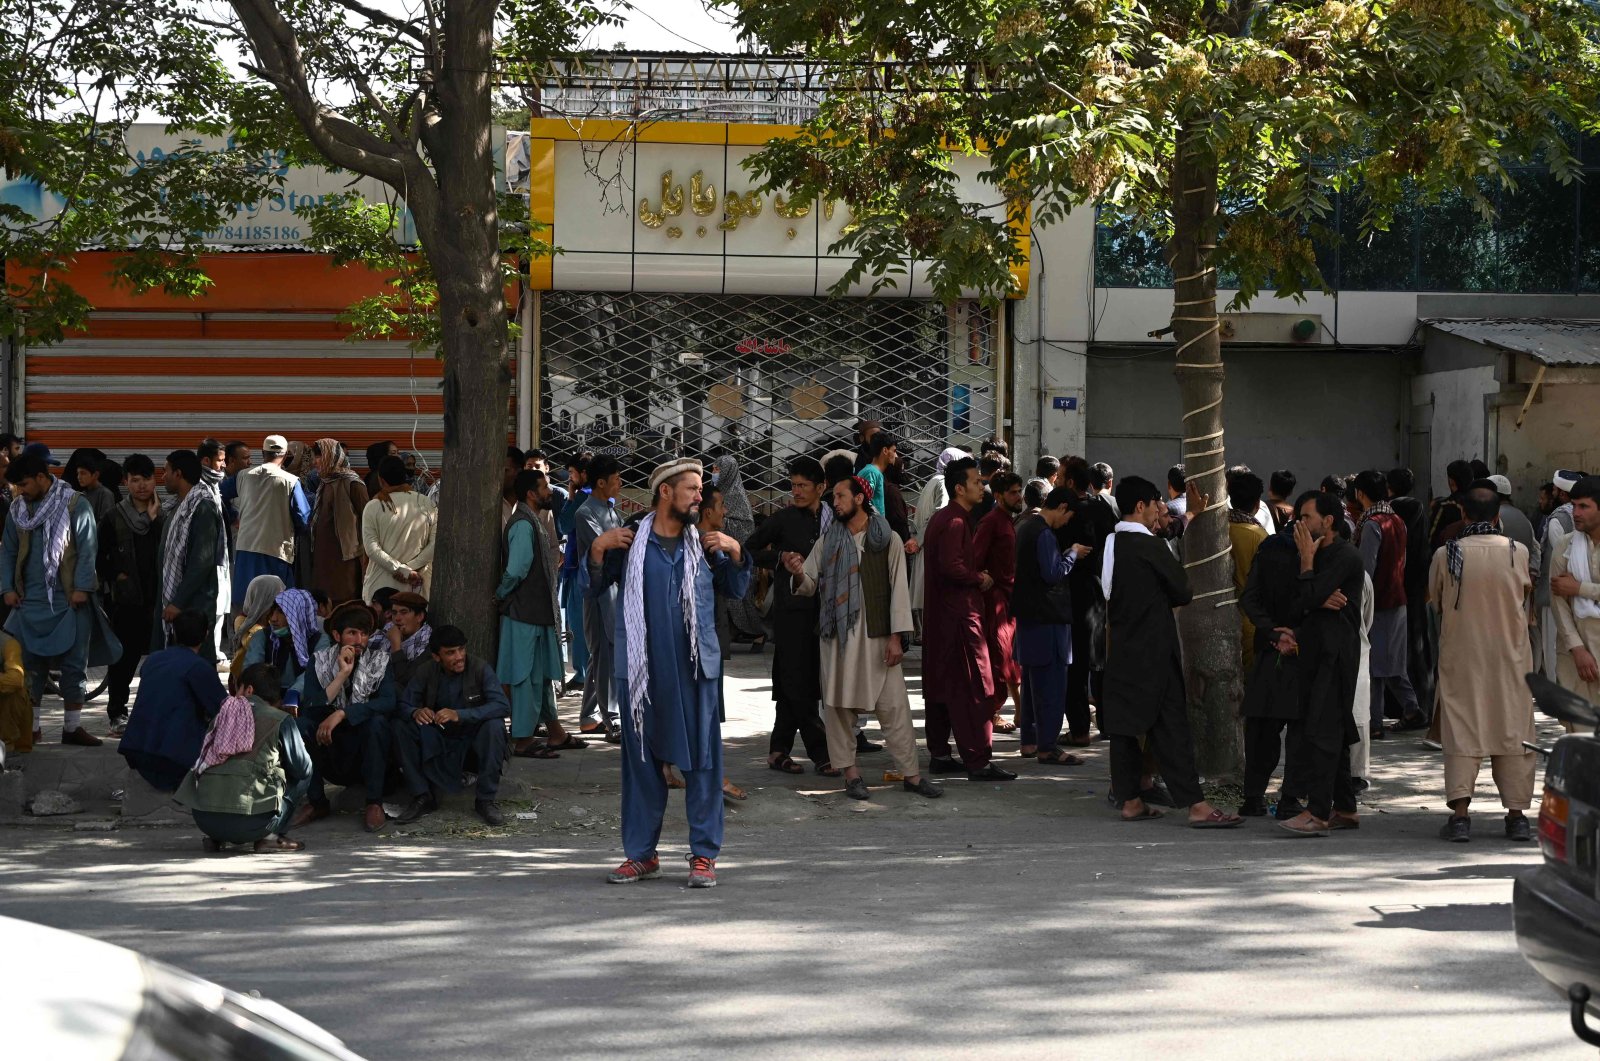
<point>399,25</point>
<point>341,141</point>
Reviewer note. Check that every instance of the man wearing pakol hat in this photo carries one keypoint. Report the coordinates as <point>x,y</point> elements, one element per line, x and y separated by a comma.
<point>1559,525</point>
<point>669,667</point>
<point>272,505</point>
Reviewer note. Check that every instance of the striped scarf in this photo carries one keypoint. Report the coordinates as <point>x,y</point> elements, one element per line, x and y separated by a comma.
<point>175,558</point>
<point>1456,559</point>
<point>371,666</point>
<point>840,570</point>
<point>633,615</point>
<point>300,609</point>
<point>54,515</point>
<point>232,733</point>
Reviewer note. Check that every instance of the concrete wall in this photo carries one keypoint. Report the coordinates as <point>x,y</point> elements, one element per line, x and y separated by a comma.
<point>1313,411</point>
<point>1561,430</point>
<point>1456,399</point>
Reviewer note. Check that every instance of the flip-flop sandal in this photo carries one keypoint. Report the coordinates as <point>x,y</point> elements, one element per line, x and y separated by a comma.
<point>827,770</point>
<point>733,791</point>
<point>1143,816</point>
<point>1059,759</point>
<point>570,744</point>
<point>535,751</point>
<point>785,765</point>
<point>1335,824</point>
<point>1005,727</point>
<point>1218,820</point>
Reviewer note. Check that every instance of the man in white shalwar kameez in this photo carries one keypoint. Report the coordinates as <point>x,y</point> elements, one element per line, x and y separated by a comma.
<point>858,569</point>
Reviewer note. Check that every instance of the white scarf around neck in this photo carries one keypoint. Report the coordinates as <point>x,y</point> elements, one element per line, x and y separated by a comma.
<point>1108,562</point>
<point>634,615</point>
<point>1580,565</point>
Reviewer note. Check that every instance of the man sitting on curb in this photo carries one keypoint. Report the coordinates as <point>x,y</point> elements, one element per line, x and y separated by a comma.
<point>452,719</point>
<point>252,770</point>
<point>179,694</point>
<point>346,716</point>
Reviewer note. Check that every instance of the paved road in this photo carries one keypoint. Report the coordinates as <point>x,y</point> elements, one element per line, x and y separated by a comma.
<point>1014,922</point>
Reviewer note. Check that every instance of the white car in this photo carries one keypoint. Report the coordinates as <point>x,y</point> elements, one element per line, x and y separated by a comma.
<point>67,997</point>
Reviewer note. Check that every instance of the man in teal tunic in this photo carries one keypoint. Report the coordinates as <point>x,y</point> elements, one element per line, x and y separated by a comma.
<point>530,644</point>
<point>47,572</point>
<point>669,668</point>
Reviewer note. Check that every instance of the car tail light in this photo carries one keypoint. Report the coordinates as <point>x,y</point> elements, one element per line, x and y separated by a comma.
<point>1553,825</point>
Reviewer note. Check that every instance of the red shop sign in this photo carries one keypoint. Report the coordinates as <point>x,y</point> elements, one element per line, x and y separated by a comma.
<point>768,347</point>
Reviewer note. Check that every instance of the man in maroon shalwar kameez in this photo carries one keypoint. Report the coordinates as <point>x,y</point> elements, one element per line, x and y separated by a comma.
<point>996,548</point>
<point>957,681</point>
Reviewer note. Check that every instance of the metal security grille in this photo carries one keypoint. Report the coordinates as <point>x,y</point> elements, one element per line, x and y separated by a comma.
<point>648,376</point>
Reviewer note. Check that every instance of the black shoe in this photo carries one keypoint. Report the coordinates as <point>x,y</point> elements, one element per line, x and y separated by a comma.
<point>1289,808</point>
<point>866,747</point>
<point>991,773</point>
<point>1517,828</point>
<point>923,787</point>
<point>1380,734</point>
<point>1157,795</point>
<point>945,764</point>
<point>1253,807</point>
<point>420,806</point>
<point>1456,830</point>
<point>856,788</point>
<point>1411,723</point>
<point>613,735</point>
<point>489,811</point>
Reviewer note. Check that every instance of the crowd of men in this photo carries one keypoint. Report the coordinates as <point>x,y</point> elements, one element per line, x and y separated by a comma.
<point>307,587</point>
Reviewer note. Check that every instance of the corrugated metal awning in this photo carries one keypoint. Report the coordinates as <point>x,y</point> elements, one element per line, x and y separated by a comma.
<point>1548,340</point>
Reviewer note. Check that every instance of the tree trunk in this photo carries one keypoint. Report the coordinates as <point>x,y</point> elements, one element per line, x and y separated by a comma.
<point>464,251</point>
<point>1210,624</point>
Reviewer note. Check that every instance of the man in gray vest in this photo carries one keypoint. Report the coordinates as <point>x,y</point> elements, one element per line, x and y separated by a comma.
<point>530,644</point>
<point>451,719</point>
<point>253,769</point>
<point>598,515</point>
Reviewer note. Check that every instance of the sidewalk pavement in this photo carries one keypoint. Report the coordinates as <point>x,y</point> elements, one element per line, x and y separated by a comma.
<point>578,793</point>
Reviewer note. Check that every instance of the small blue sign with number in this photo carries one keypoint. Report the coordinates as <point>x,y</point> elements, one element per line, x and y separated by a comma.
<point>1067,404</point>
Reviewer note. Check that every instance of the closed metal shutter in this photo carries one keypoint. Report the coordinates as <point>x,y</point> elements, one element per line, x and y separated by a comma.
<point>125,395</point>
<point>766,378</point>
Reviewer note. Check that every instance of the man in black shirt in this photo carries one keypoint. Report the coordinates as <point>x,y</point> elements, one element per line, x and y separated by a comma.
<point>797,651</point>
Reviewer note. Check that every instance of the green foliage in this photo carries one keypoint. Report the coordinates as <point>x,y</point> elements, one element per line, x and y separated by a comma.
<point>79,73</point>
<point>1082,101</point>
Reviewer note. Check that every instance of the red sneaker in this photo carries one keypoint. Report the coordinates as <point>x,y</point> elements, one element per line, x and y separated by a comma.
<point>702,872</point>
<point>630,872</point>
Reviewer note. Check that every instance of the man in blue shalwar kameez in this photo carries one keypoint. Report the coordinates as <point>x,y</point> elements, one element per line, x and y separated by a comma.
<point>669,668</point>
<point>47,574</point>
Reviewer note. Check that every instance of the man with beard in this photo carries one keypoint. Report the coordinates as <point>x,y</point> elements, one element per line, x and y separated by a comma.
<point>1559,525</point>
<point>671,668</point>
<point>1575,590</point>
<point>1143,700</point>
<point>797,655</point>
<point>995,545</point>
<point>957,681</point>
<point>1328,640</point>
<point>858,572</point>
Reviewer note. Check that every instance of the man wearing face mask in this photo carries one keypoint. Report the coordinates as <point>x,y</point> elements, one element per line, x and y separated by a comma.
<point>347,713</point>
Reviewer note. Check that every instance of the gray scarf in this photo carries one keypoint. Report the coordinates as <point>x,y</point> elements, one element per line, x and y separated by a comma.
<point>841,580</point>
<point>137,519</point>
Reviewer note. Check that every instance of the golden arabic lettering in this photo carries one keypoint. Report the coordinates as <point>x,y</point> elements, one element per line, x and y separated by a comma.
<point>702,200</point>
<point>671,203</point>
<point>738,206</point>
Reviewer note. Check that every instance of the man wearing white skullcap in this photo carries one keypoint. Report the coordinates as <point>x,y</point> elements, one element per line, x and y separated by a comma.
<point>669,667</point>
<point>1556,530</point>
